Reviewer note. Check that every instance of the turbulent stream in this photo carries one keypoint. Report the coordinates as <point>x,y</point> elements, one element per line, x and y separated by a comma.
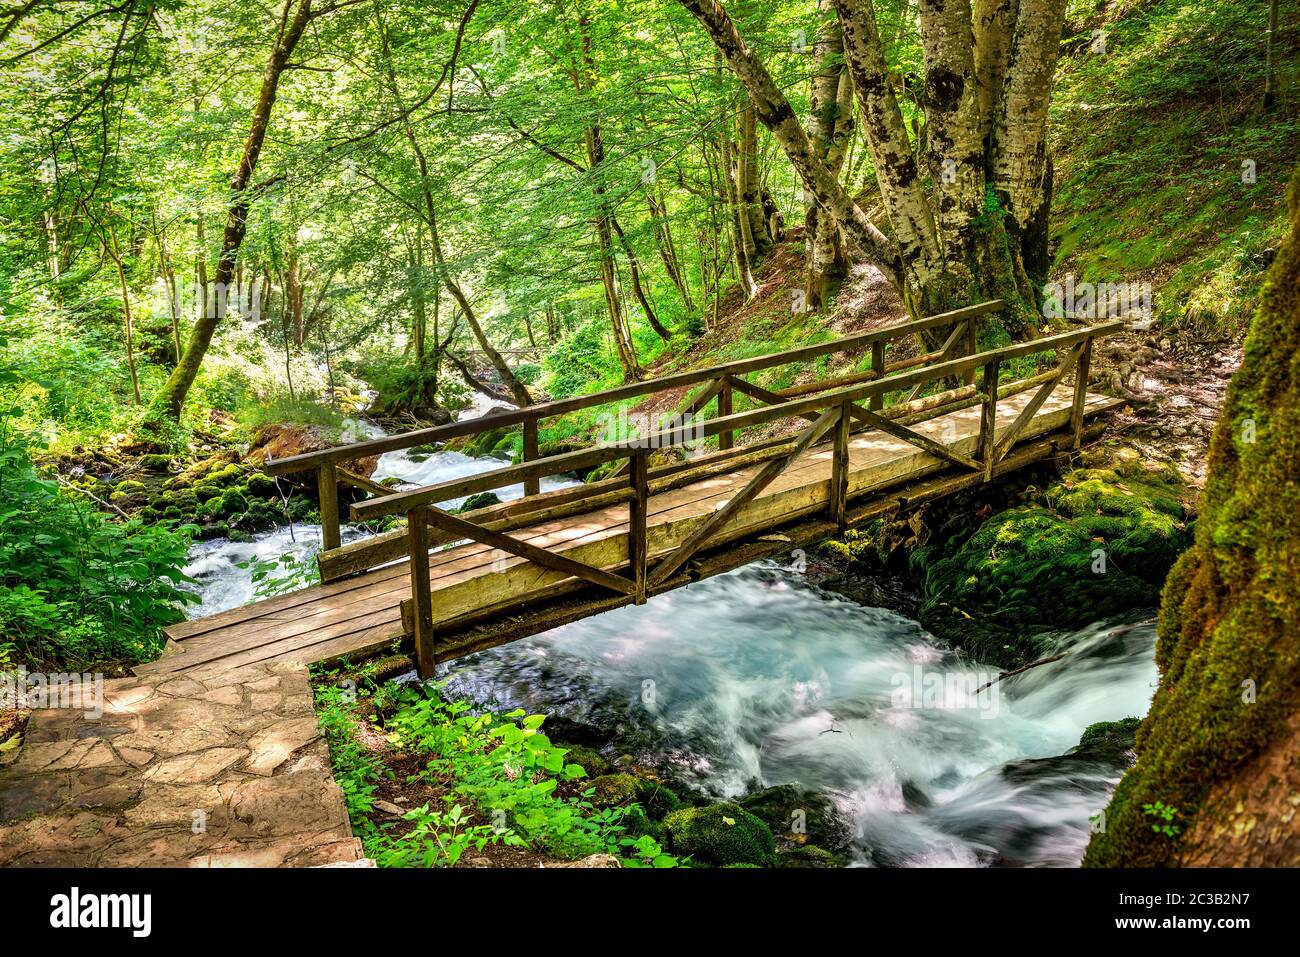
<point>758,678</point>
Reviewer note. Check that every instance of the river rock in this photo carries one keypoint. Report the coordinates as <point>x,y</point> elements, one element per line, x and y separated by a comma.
<point>279,441</point>
<point>801,816</point>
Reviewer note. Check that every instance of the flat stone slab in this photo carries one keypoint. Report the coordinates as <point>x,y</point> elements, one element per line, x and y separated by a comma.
<point>225,771</point>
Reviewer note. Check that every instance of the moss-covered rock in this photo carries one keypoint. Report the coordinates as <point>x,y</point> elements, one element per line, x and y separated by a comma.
<point>613,790</point>
<point>262,485</point>
<point>477,501</point>
<point>1095,544</point>
<point>156,463</point>
<point>655,799</point>
<point>796,815</point>
<point>809,855</point>
<point>720,834</point>
<point>1111,740</point>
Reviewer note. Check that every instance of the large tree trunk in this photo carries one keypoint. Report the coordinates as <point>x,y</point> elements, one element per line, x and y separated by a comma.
<point>735,215</point>
<point>968,230</point>
<point>171,398</point>
<point>830,123</point>
<point>748,177</point>
<point>1221,740</point>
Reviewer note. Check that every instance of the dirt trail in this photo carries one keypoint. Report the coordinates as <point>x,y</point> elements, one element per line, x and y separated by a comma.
<point>1176,387</point>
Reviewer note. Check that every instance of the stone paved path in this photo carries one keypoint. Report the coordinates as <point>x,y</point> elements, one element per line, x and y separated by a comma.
<point>227,771</point>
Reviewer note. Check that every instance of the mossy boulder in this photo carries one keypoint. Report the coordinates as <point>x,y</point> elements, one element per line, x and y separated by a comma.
<point>261,485</point>
<point>477,501</point>
<point>800,816</point>
<point>1110,740</point>
<point>655,799</point>
<point>1106,746</point>
<point>129,493</point>
<point>720,834</point>
<point>1097,543</point>
<point>613,790</point>
<point>233,501</point>
<point>488,441</point>
<point>204,493</point>
<point>621,790</point>
<point>156,463</point>
<point>809,855</point>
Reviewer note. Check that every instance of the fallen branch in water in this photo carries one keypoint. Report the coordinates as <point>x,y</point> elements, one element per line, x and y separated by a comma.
<point>1032,664</point>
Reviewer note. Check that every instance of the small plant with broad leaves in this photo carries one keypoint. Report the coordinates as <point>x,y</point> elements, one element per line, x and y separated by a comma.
<point>278,576</point>
<point>1164,815</point>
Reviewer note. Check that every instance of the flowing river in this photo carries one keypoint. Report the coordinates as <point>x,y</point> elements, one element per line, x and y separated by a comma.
<point>758,678</point>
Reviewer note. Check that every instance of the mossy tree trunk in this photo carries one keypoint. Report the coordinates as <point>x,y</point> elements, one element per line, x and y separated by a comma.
<point>1220,743</point>
<point>169,401</point>
<point>966,208</point>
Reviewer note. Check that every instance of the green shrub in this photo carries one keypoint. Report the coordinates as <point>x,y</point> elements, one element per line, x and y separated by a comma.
<point>76,588</point>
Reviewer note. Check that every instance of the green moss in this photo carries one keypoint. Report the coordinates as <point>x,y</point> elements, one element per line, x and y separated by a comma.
<point>799,815</point>
<point>613,790</point>
<point>477,501</point>
<point>720,834</point>
<point>656,800</point>
<point>262,485</point>
<point>156,463</point>
<point>233,501</point>
<point>1227,652</point>
<point>1095,544</point>
<point>809,855</point>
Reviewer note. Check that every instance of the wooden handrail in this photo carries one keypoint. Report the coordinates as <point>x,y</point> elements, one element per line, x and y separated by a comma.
<point>400,502</point>
<point>532,413</point>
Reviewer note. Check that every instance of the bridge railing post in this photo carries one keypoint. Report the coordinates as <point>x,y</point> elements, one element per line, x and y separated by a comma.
<point>972,347</point>
<point>1081,371</point>
<point>638,544</point>
<point>839,497</point>
<point>327,489</point>
<point>725,439</point>
<point>878,366</point>
<point>421,623</point>
<point>532,486</point>
<point>989,417</point>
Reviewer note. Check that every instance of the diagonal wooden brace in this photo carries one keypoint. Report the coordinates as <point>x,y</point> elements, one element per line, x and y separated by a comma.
<point>1033,405</point>
<point>771,470</point>
<point>539,556</point>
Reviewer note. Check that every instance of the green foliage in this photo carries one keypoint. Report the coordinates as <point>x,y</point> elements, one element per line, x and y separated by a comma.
<point>76,588</point>
<point>278,576</point>
<point>1164,815</point>
<point>500,774</point>
<point>1155,190</point>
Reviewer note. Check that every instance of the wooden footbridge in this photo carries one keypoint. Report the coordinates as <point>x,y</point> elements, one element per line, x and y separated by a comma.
<point>899,432</point>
